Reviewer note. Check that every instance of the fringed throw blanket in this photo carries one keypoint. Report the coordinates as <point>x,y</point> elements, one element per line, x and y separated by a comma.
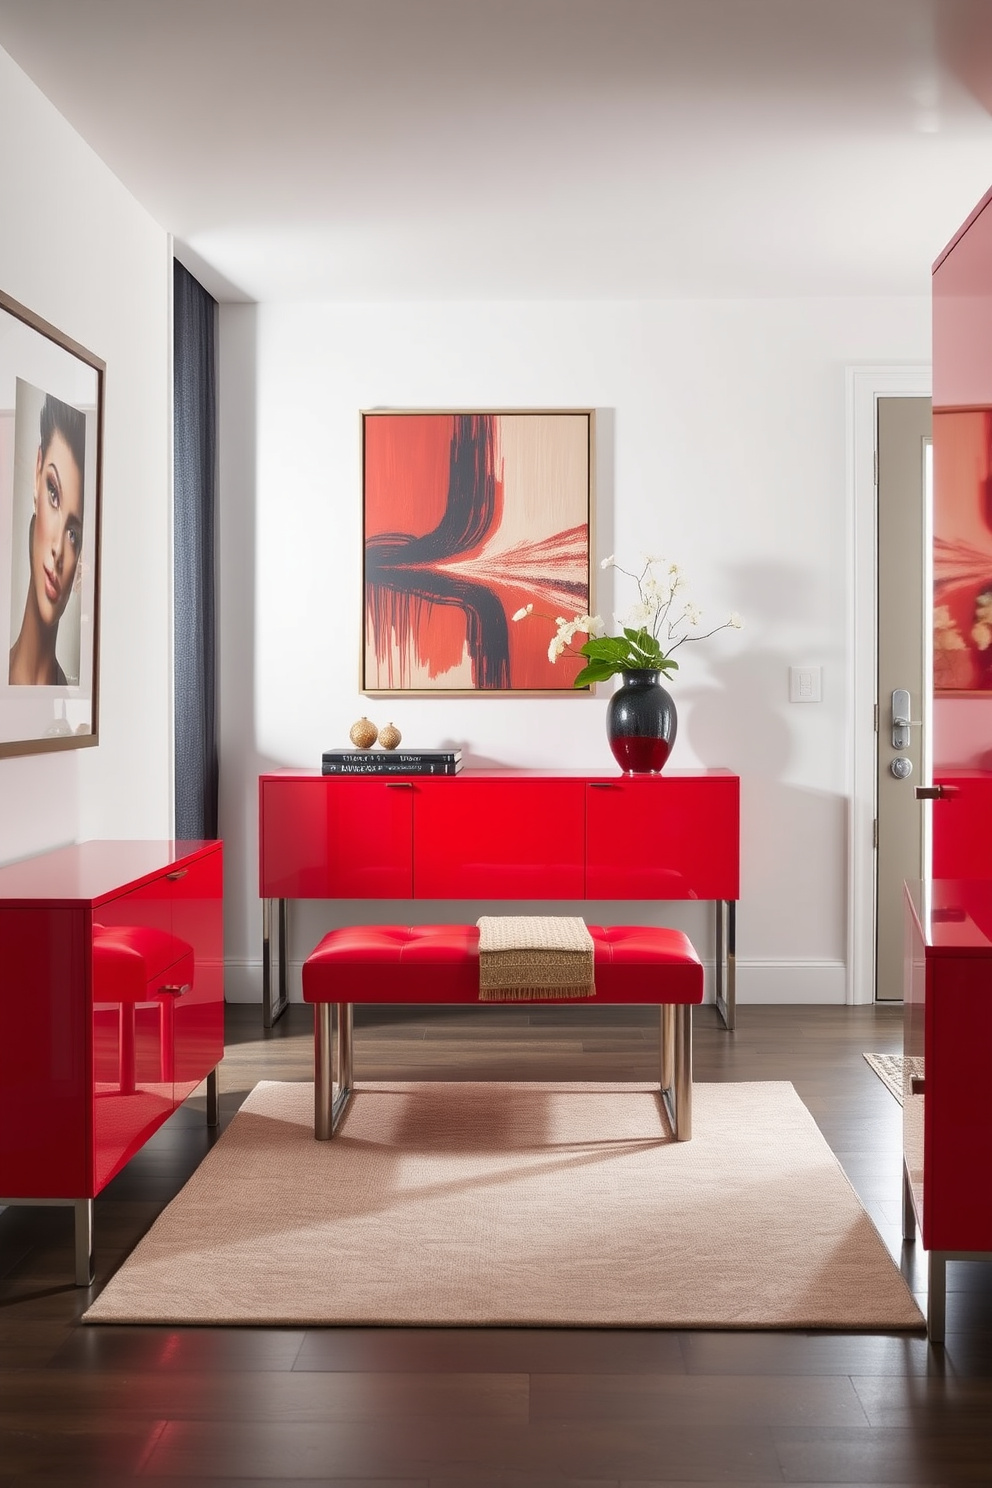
<point>534,956</point>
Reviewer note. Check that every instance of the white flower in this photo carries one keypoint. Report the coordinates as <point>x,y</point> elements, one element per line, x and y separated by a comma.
<point>946,636</point>
<point>982,636</point>
<point>638,615</point>
<point>592,625</point>
<point>656,625</point>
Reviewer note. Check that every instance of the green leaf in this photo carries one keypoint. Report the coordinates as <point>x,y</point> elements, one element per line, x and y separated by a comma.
<point>606,648</point>
<point>650,651</point>
<point>596,671</point>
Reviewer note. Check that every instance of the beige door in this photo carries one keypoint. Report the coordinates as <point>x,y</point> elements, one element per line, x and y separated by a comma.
<point>903,440</point>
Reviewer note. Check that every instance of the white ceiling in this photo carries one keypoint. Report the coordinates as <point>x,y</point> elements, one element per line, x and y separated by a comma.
<point>535,149</point>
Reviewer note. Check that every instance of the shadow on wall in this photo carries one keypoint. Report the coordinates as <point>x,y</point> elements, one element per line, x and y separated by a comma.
<point>738,716</point>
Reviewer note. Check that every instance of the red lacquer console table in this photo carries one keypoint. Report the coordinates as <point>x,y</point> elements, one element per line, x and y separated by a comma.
<point>947,1117</point>
<point>93,1060</point>
<point>499,834</point>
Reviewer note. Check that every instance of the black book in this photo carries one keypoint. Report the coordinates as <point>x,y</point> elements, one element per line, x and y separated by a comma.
<point>382,764</point>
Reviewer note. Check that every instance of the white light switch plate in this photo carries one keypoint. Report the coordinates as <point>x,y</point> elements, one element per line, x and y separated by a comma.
<point>805,684</point>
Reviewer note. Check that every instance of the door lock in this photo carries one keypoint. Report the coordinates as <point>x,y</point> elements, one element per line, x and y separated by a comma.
<point>901,767</point>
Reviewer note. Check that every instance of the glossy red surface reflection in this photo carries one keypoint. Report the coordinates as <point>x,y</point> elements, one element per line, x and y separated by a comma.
<point>501,834</point>
<point>93,1058</point>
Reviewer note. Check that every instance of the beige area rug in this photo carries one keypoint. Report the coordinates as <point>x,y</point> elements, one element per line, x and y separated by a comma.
<point>516,1204</point>
<point>889,1069</point>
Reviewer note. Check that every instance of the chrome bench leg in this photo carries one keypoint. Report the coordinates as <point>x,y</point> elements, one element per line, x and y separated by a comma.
<point>328,1108</point>
<point>676,1067</point>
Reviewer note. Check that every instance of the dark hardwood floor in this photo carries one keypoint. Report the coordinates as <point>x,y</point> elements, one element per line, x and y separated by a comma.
<point>496,1408</point>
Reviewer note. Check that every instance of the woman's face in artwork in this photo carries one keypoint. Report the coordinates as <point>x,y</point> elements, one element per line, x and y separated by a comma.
<point>57,534</point>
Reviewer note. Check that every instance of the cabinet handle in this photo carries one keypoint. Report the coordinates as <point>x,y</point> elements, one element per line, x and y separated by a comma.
<point>917,1085</point>
<point>603,785</point>
<point>399,785</point>
<point>177,873</point>
<point>175,989</point>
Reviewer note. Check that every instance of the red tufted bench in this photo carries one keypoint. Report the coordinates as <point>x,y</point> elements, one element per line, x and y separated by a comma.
<point>440,964</point>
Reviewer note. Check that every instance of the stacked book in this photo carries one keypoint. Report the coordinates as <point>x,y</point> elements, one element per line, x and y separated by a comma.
<point>391,761</point>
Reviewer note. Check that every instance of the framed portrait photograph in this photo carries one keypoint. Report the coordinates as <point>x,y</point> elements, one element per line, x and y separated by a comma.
<point>51,429</point>
<point>468,517</point>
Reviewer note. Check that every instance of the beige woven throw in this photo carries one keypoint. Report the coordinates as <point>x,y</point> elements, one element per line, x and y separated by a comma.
<point>534,956</point>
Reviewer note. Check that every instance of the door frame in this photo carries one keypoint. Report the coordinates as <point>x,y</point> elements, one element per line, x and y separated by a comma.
<point>865,385</point>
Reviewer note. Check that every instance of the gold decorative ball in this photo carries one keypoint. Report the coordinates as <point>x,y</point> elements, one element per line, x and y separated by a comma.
<point>389,736</point>
<point>363,734</point>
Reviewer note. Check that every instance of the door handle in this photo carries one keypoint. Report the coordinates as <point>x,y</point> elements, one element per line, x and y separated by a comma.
<point>175,989</point>
<point>900,718</point>
<point>177,873</point>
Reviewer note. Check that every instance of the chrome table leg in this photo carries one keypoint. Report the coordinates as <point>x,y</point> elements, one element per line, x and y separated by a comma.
<point>83,1212</point>
<point>726,960</point>
<point>273,1004</point>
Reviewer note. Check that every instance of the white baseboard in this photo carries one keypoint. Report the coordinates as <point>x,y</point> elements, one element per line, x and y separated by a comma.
<point>800,982</point>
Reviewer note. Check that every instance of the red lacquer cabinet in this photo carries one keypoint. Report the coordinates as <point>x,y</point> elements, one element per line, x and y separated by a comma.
<point>500,834</point>
<point>93,1059</point>
<point>947,1117</point>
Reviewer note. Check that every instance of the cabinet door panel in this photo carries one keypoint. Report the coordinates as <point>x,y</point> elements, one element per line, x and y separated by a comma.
<point>132,1040</point>
<point>334,838</point>
<point>293,840</point>
<point>957,1113</point>
<point>662,838</point>
<point>197,1015</point>
<point>499,839</point>
<point>44,1053</point>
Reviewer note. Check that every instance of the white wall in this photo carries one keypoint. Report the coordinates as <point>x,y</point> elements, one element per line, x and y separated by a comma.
<point>724,448</point>
<point>80,252</point>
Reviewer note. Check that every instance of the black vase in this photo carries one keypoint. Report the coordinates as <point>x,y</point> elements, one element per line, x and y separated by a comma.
<point>641,722</point>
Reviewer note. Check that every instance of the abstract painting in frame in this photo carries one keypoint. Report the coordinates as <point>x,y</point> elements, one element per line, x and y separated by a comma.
<point>51,423</point>
<point>468,517</point>
<point>962,550</point>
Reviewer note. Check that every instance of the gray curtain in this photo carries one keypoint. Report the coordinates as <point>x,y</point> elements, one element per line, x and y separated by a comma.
<point>195,439</point>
